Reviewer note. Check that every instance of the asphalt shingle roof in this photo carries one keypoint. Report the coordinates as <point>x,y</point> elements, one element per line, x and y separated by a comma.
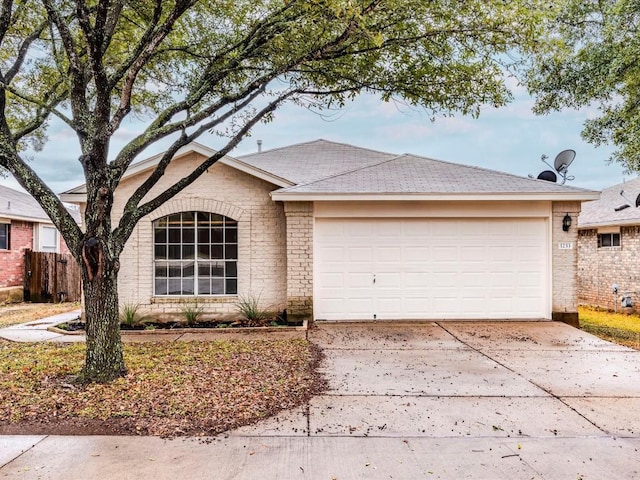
<point>325,167</point>
<point>306,162</point>
<point>18,204</point>
<point>602,212</point>
<point>414,174</point>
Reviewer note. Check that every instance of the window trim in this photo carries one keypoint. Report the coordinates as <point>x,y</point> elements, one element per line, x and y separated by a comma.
<point>613,236</point>
<point>195,254</point>
<point>41,246</point>
<point>7,229</point>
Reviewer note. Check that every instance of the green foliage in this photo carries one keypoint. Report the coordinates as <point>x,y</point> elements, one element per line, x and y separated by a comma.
<point>192,312</point>
<point>590,58</point>
<point>130,315</point>
<point>249,307</point>
<point>221,66</point>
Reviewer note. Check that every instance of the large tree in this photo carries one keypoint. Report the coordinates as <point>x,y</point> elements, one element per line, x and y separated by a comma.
<point>195,66</point>
<point>591,58</point>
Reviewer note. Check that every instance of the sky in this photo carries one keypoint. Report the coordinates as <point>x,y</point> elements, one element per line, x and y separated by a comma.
<point>510,139</point>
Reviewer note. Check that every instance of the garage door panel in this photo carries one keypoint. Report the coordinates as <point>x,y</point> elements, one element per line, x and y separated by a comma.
<point>417,307</point>
<point>417,253</point>
<point>359,309</point>
<point>448,254</point>
<point>388,254</point>
<point>528,304</point>
<point>357,229</point>
<point>472,254</point>
<point>528,279</point>
<point>501,253</point>
<point>529,253</point>
<point>359,281</point>
<point>471,306</point>
<point>331,280</point>
<point>359,254</point>
<point>444,279</point>
<point>447,306</point>
<point>332,254</point>
<point>467,281</point>
<point>387,306</point>
<point>502,280</point>
<point>431,268</point>
<point>416,280</point>
<point>334,306</point>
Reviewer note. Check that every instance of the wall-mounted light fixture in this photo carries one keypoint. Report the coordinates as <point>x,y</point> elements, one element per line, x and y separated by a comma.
<point>566,222</point>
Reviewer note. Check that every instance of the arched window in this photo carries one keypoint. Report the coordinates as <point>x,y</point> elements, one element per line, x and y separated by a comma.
<point>195,253</point>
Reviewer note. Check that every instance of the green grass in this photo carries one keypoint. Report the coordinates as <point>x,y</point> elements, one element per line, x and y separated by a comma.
<point>615,327</point>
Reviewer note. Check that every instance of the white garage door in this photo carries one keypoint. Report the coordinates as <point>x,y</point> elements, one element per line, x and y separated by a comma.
<point>430,269</point>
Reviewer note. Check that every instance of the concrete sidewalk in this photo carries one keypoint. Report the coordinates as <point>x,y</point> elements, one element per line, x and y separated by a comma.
<point>37,330</point>
<point>483,400</point>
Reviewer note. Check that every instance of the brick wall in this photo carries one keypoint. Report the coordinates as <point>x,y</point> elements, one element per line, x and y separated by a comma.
<point>565,262</point>
<point>225,191</point>
<point>12,261</point>
<point>63,245</point>
<point>600,268</point>
<point>299,260</point>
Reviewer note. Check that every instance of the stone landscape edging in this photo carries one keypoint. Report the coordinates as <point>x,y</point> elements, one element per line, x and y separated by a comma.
<point>222,331</point>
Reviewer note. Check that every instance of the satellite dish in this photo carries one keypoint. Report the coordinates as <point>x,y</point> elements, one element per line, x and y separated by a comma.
<point>621,207</point>
<point>563,160</point>
<point>548,176</point>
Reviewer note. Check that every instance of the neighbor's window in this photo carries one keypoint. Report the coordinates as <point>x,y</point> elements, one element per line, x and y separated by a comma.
<point>5,229</point>
<point>48,239</point>
<point>608,240</point>
<point>195,253</point>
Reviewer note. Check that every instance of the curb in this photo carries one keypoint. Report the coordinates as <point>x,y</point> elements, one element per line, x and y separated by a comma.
<point>173,331</point>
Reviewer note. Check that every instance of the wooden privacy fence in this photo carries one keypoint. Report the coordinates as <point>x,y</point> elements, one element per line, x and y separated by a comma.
<point>51,277</point>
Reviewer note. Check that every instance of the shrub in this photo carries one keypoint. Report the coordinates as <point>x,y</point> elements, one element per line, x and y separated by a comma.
<point>130,315</point>
<point>254,315</point>
<point>192,312</point>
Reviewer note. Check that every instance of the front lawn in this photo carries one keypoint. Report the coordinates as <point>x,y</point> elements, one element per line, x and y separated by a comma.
<point>172,388</point>
<point>614,327</point>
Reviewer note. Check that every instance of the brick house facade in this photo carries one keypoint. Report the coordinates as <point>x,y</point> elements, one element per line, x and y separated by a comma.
<point>602,267</point>
<point>246,229</point>
<point>24,227</point>
<point>609,248</point>
<point>12,259</point>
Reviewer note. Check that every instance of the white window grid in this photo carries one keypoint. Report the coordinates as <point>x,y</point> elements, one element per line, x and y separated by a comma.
<point>195,254</point>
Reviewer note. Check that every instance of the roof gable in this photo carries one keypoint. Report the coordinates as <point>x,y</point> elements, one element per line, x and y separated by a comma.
<point>78,194</point>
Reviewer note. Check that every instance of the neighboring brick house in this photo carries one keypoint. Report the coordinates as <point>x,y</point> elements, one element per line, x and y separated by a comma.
<point>330,231</point>
<point>609,247</point>
<point>23,225</point>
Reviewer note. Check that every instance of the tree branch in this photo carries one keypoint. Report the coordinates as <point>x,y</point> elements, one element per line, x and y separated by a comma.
<point>50,203</point>
<point>131,217</point>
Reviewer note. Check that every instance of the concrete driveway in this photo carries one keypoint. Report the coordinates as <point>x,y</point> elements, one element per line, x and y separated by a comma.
<point>451,400</point>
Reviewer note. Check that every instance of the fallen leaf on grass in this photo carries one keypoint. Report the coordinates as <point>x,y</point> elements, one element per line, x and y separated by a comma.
<point>190,388</point>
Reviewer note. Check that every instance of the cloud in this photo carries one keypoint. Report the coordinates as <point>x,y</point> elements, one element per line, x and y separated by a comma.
<point>510,139</point>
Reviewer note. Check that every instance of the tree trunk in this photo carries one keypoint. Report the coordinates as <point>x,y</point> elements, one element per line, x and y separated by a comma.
<point>104,360</point>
